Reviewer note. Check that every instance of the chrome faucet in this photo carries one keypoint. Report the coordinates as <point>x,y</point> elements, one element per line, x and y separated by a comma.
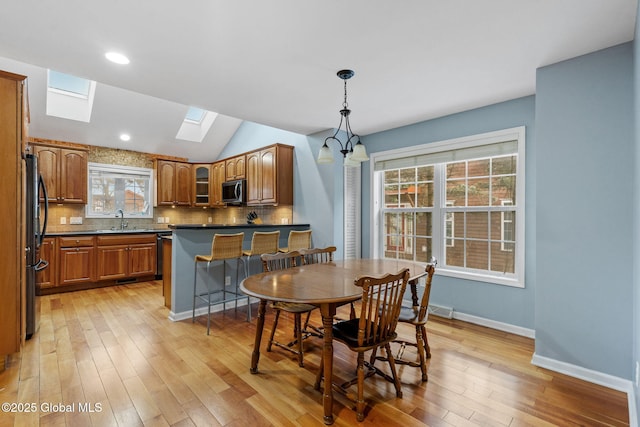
<point>123,224</point>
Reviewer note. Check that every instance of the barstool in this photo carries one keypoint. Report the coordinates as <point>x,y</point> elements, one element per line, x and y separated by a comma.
<point>262,242</point>
<point>224,247</point>
<point>298,240</point>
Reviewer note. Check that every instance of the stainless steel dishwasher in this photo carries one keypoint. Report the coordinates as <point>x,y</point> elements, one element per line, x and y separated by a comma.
<point>159,253</point>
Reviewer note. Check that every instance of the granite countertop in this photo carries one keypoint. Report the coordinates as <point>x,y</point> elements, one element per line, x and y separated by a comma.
<point>213,226</point>
<point>108,231</point>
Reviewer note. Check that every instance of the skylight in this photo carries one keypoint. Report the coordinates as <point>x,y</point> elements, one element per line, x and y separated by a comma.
<point>195,115</point>
<point>196,124</point>
<point>68,83</point>
<point>69,97</point>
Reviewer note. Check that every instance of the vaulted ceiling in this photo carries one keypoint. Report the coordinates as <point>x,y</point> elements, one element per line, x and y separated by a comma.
<point>275,62</point>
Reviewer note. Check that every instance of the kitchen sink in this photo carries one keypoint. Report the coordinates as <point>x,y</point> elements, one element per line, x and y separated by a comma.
<point>126,230</point>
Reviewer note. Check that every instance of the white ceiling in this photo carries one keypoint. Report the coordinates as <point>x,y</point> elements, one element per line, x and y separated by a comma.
<point>275,62</point>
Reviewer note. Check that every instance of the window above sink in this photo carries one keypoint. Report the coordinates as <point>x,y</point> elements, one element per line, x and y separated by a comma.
<point>114,187</point>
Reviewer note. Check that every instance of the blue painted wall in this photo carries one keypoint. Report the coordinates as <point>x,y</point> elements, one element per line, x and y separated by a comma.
<point>584,144</point>
<point>579,287</point>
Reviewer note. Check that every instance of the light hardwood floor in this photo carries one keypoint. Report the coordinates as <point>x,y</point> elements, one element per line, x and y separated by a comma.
<point>113,351</point>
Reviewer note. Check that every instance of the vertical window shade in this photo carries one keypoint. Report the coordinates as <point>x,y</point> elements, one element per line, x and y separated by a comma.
<point>352,205</point>
<point>467,153</point>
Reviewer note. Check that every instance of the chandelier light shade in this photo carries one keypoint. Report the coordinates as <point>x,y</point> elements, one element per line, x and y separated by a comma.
<point>352,149</point>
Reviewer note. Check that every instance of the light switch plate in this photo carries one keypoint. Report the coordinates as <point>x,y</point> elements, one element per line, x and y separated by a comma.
<point>75,220</point>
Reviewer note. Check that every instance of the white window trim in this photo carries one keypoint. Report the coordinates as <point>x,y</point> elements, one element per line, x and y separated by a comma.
<point>377,201</point>
<point>119,169</point>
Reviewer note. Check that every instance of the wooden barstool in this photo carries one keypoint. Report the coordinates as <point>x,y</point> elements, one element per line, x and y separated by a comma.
<point>262,242</point>
<point>224,247</point>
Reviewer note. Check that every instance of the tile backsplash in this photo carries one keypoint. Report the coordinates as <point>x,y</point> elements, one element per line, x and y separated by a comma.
<point>60,217</point>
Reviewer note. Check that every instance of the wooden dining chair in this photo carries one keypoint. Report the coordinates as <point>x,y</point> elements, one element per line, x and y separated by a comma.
<point>315,256</point>
<point>375,327</point>
<point>279,261</point>
<point>415,315</point>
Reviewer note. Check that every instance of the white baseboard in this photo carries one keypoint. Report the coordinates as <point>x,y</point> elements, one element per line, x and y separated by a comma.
<point>596,377</point>
<point>500,326</point>
<point>633,409</point>
<point>183,315</point>
<point>606,380</point>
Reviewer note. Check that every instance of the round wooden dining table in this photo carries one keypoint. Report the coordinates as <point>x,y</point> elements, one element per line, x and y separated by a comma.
<point>326,285</point>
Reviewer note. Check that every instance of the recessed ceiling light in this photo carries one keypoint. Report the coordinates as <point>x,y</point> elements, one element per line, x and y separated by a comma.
<point>116,57</point>
<point>125,137</point>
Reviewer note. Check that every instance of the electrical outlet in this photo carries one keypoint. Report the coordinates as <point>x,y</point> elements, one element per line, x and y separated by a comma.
<point>63,220</point>
<point>209,220</point>
<point>637,374</point>
<point>166,220</point>
<point>227,280</point>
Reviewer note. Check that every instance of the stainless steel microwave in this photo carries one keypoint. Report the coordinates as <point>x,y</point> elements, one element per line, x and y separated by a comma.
<point>234,192</point>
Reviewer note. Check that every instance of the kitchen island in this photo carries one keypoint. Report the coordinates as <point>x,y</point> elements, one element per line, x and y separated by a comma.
<point>189,240</point>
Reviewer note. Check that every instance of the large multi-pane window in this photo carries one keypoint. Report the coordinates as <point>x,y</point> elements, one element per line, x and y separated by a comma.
<point>460,201</point>
<point>119,187</point>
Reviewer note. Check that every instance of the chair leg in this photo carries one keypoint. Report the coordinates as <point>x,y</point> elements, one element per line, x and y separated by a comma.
<point>273,330</point>
<point>209,304</point>
<point>298,322</point>
<point>422,352</point>
<point>195,277</point>
<point>360,405</point>
<point>423,330</point>
<point>319,375</point>
<point>394,374</point>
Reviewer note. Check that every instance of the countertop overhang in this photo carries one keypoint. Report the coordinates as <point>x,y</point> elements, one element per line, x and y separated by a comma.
<point>215,226</point>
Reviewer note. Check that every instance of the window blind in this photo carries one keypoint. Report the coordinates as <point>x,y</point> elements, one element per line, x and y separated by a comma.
<point>447,155</point>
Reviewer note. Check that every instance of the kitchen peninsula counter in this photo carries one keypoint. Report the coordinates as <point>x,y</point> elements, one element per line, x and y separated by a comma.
<point>190,240</point>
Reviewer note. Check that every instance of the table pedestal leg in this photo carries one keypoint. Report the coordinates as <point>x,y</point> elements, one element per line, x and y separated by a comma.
<point>328,313</point>
<point>255,356</point>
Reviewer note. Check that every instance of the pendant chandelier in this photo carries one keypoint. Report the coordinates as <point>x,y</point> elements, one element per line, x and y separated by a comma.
<point>352,149</point>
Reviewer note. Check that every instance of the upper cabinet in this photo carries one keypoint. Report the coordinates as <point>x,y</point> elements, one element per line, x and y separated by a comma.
<point>270,176</point>
<point>202,184</point>
<point>235,167</point>
<point>64,171</point>
<point>218,175</point>
<point>173,180</point>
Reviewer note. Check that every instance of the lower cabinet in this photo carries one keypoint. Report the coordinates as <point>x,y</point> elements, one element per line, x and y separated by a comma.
<point>76,260</point>
<point>120,257</point>
<point>48,278</point>
<point>86,261</point>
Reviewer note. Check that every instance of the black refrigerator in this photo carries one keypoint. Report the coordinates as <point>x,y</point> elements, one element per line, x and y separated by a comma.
<point>35,227</point>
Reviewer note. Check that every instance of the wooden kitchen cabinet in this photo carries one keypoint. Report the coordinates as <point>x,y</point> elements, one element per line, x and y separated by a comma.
<point>218,175</point>
<point>12,262</point>
<point>270,176</point>
<point>76,260</point>
<point>123,257</point>
<point>48,278</point>
<point>64,171</point>
<point>235,168</point>
<point>173,181</point>
<point>202,184</point>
